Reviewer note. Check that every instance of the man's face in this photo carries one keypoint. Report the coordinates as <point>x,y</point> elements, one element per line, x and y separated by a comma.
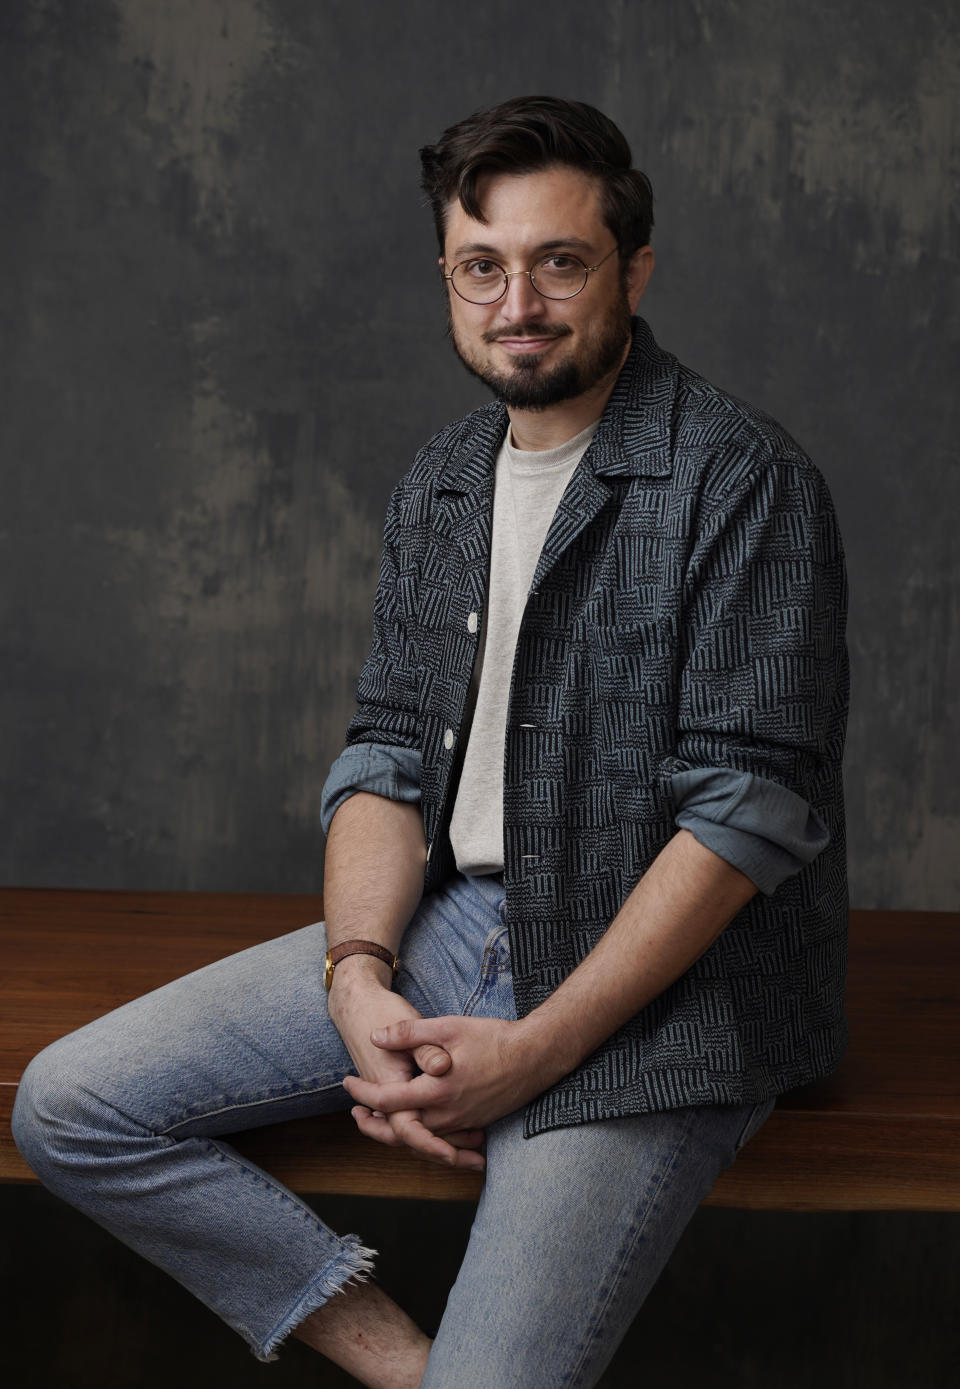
<point>531,351</point>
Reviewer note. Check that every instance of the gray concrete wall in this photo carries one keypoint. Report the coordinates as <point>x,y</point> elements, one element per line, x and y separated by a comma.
<point>222,342</point>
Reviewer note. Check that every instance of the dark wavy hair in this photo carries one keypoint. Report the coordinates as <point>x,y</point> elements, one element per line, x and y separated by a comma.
<point>536,132</point>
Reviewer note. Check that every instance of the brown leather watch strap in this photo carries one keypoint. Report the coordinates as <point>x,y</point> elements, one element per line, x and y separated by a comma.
<point>358,947</point>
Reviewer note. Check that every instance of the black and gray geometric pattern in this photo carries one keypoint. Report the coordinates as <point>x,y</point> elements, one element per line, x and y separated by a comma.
<point>688,610</point>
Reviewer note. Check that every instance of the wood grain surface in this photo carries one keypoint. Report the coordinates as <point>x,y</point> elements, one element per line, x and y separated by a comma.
<point>881,1133</point>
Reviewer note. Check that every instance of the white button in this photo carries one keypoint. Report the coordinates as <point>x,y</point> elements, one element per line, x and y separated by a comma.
<point>448,738</point>
<point>472,622</point>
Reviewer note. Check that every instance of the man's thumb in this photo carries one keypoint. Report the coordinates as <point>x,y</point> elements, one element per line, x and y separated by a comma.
<point>433,1060</point>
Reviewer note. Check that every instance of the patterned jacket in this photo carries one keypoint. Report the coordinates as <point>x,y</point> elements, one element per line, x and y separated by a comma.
<point>687,612</point>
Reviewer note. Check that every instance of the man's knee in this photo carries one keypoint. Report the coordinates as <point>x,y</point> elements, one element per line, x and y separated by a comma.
<point>59,1123</point>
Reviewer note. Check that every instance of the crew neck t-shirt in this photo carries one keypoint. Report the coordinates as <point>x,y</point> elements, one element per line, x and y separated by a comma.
<point>528,486</point>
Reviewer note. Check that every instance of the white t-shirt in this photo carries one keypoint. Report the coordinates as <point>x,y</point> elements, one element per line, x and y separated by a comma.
<point>527,489</point>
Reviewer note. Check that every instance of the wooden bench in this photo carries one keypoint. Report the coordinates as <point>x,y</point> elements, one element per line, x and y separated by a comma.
<point>881,1133</point>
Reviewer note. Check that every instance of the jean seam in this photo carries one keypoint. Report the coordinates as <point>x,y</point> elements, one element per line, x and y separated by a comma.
<point>491,965</point>
<point>593,1331</point>
<point>746,1135</point>
<point>260,1177</point>
<point>478,992</point>
<point>226,1153</point>
<point>247,1104</point>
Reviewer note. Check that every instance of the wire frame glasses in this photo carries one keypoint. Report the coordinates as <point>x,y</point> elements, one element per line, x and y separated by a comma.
<point>483,281</point>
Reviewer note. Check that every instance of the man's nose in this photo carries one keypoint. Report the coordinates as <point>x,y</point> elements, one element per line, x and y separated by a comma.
<point>521,300</point>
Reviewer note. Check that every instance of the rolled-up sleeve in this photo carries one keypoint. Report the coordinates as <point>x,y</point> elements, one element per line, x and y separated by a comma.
<point>762,828</point>
<point>375,767</point>
<point>384,736</point>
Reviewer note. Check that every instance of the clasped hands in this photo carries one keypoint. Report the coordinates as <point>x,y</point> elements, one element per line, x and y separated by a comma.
<point>471,1073</point>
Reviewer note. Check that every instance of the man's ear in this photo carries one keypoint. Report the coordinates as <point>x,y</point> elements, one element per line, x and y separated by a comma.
<point>639,269</point>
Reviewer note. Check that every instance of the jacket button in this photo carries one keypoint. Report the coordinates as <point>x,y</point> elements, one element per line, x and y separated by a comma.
<point>472,622</point>
<point>448,739</point>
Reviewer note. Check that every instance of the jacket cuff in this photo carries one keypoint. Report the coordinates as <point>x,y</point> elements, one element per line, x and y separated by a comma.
<point>385,771</point>
<point>764,829</point>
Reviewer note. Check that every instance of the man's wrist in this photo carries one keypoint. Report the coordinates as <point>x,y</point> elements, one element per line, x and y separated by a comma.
<point>358,946</point>
<point>359,973</point>
<point>543,1050</point>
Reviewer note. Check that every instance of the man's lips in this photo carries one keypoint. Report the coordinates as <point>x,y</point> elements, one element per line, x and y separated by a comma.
<point>525,344</point>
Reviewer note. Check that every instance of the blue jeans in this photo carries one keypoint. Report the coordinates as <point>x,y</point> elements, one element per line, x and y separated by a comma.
<point>124,1119</point>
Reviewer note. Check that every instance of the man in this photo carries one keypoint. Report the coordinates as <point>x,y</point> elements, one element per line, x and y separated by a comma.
<point>591,796</point>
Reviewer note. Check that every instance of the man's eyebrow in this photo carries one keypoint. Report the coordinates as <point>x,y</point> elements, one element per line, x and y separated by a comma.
<point>481,248</point>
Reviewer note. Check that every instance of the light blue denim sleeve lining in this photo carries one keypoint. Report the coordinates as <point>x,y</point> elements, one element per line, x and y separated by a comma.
<point>757,825</point>
<point>764,829</point>
<point>375,767</point>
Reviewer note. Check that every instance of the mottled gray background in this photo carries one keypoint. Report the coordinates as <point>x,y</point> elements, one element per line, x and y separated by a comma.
<point>221,343</point>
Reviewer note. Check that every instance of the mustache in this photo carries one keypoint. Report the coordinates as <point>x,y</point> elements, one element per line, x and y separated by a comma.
<point>528,330</point>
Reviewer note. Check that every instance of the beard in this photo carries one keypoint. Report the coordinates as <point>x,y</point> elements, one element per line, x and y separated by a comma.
<point>529,384</point>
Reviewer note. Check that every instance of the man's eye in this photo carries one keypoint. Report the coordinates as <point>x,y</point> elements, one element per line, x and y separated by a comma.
<point>482,269</point>
<point>558,263</point>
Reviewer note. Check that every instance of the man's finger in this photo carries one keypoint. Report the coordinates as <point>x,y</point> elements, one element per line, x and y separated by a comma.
<point>434,1060</point>
<point>404,1129</point>
<point>465,1138</point>
<point>374,1127</point>
<point>409,1033</point>
<point>422,1141</point>
<point>403,1094</point>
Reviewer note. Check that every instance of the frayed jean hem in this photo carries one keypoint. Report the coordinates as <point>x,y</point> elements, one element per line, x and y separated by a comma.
<point>353,1264</point>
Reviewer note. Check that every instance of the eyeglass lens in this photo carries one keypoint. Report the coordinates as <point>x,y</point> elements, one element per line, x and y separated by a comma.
<point>556,277</point>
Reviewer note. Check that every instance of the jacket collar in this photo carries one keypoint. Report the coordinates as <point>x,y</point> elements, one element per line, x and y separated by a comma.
<point>634,437</point>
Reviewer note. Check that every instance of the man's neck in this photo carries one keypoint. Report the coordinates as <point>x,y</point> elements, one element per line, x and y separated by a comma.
<point>549,428</point>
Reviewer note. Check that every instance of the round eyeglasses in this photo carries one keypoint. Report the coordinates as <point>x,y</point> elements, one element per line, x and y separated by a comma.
<point>482,281</point>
